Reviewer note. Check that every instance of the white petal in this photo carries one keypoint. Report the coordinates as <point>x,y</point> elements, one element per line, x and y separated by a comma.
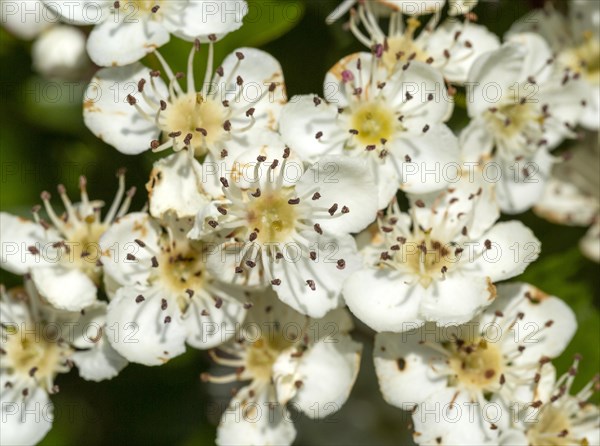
<point>258,71</point>
<point>517,192</point>
<point>327,370</point>
<point>294,271</point>
<point>420,111</point>
<point>476,142</point>
<point>564,102</point>
<point>81,12</point>
<point>65,288</point>
<point>248,173</point>
<point>176,185</point>
<point>441,305</point>
<point>222,262</point>
<point>100,362</point>
<point>383,300</point>
<point>462,55</point>
<point>139,331</point>
<point>513,248</point>
<point>431,154</point>
<point>538,309</point>
<point>109,116</point>
<point>538,53</point>
<point>448,418</point>
<point>406,368</point>
<point>119,240</point>
<point>215,327</point>
<point>301,120</point>
<point>202,18</point>
<point>25,421</point>
<point>495,71</point>
<point>564,203</point>
<point>116,43</point>
<point>255,421</point>
<point>336,92</point>
<point>346,182</point>
<point>471,195</point>
<point>26,19</point>
<point>16,235</point>
<point>548,22</point>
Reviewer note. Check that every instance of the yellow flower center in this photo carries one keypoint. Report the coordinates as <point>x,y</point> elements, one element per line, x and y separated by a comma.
<point>182,267</point>
<point>426,258</point>
<point>192,114</point>
<point>272,215</point>
<point>374,122</point>
<point>263,353</point>
<point>511,119</point>
<point>33,350</point>
<point>82,249</point>
<point>401,47</point>
<point>477,365</point>
<point>584,59</point>
<point>549,429</point>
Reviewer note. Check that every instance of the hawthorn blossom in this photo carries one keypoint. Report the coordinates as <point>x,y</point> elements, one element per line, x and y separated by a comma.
<point>450,47</point>
<point>575,41</point>
<point>439,261</point>
<point>163,296</point>
<point>502,358</point>
<point>387,7</point>
<point>287,359</point>
<point>126,31</point>
<point>222,116</point>
<point>37,343</point>
<point>561,419</point>
<point>62,255</point>
<point>394,122</point>
<point>60,53</point>
<point>572,195</point>
<point>284,227</point>
<point>521,106</point>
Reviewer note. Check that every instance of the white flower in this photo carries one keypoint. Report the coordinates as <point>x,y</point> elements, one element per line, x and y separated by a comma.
<point>287,228</point>
<point>501,358</point>
<point>60,52</point>
<point>561,419</point>
<point>62,255</point>
<point>520,105</point>
<point>576,43</point>
<point>26,19</point>
<point>451,47</point>
<point>37,343</point>
<point>163,295</point>
<point>387,7</point>
<point>220,117</point>
<point>439,261</point>
<point>128,30</point>
<point>289,360</point>
<point>394,122</point>
<point>572,194</point>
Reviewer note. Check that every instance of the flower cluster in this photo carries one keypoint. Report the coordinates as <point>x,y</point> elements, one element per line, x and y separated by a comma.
<point>273,223</point>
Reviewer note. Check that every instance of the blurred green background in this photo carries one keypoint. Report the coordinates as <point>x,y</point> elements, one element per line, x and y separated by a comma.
<point>43,142</point>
